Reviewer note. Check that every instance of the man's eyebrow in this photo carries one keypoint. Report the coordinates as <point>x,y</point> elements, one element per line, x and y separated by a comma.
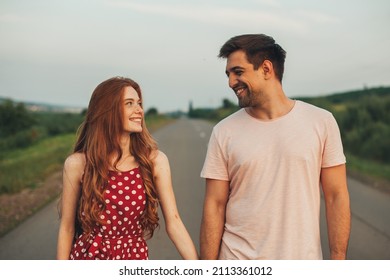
<point>235,68</point>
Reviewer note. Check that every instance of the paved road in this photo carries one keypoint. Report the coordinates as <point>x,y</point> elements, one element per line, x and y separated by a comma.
<point>185,143</point>
<point>370,232</point>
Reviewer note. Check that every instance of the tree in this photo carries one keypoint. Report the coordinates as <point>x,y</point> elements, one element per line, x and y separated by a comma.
<point>152,112</point>
<point>227,104</point>
<point>14,118</point>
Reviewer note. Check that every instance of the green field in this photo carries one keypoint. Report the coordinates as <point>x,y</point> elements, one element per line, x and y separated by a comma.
<point>24,173</point>
<point>28,167</point>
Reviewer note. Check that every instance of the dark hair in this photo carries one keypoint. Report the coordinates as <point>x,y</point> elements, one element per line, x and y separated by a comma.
<point>257,47</point>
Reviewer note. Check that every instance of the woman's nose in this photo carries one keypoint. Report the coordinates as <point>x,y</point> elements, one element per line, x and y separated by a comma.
<point>139,109</point>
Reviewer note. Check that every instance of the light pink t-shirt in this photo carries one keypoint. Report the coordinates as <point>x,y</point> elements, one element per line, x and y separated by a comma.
<point>274,172</point>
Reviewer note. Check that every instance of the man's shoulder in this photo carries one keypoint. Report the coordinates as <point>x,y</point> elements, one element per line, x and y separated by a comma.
<point>230,120</point>
<point>313,109</point>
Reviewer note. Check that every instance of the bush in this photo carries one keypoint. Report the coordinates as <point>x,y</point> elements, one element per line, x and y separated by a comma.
<point>22,139</point>
<point>14,118</point>
<point>365,128</point>
<point>59,123</point>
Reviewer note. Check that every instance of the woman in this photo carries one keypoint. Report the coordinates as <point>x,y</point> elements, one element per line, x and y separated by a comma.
<point>114,182</point>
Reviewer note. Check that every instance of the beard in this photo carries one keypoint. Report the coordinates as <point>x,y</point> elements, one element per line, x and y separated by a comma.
<point>246,100</point>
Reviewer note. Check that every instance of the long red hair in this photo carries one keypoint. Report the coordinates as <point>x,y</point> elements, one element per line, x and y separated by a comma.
<point>99,139</point>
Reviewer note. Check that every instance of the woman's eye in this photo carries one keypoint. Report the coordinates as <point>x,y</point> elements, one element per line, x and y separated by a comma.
<point>133,104</point>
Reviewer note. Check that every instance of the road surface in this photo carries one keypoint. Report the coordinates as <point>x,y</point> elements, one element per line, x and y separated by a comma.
<point>185,143</point>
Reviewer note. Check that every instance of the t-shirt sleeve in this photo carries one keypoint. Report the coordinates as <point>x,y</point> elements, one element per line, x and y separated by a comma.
<point>215,164</point>
<point>333,154</point>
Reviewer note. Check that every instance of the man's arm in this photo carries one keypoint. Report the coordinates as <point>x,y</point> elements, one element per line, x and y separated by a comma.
<point>213,221</point>
<point>338,212</point>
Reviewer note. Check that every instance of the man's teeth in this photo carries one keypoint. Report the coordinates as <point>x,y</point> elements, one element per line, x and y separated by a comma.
<point>239,91</point>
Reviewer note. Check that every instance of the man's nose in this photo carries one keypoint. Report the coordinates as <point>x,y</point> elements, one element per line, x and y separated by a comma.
<point>232,81</point>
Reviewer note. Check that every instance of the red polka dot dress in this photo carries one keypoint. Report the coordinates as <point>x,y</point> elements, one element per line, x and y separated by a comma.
<point>121,236</point>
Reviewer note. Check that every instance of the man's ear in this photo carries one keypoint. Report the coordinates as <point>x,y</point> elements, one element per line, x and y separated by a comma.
<point>268,69</point>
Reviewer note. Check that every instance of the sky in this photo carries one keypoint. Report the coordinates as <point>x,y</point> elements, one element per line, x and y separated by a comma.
<point>57,52</point>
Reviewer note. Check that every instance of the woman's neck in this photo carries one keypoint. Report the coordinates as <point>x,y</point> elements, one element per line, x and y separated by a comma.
<point>125,145</point>
<point>126,161</point>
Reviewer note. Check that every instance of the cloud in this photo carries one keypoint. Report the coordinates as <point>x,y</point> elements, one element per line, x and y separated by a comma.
<point>270,3</point>
<point>318,17</point>
<point>224,16</point>
<point>11,18</point>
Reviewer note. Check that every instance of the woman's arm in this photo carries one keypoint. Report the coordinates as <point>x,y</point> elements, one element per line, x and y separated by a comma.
<point>71,177</point>
<point>173,223</point>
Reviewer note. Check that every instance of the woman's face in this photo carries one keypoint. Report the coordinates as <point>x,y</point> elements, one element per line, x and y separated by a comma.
<point>132,111</point>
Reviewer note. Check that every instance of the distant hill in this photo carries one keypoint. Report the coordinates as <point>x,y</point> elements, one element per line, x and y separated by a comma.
<point>349,97</point>
<point>44,107</point>
<point>364,120</point>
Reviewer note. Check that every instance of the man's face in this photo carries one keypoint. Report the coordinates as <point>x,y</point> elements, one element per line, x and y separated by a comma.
<point>243,79</point>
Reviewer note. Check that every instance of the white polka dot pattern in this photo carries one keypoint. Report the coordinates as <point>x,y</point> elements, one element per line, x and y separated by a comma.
<point>121,236</point>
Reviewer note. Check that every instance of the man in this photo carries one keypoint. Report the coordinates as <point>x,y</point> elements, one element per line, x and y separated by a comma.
<point>265,163</point>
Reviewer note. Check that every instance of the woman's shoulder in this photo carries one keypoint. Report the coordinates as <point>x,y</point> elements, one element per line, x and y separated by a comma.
<point>158,157</point>
<point>75,161</point>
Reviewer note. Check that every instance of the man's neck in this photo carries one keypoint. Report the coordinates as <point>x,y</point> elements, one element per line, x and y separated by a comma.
<point>275,106</point>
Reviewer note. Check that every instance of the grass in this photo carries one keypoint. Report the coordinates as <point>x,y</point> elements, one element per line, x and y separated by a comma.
<point>155,122</point>
<point>374,173</point>
<point>26,168</point>
<point>31,177</point>
<point>24,174</point>
<point>374,169</point>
